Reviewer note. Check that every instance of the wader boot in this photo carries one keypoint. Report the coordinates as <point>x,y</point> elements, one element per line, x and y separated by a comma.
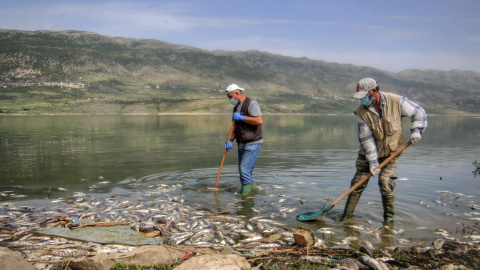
<point>246,189</point>
<point>350,206</point>
<point>388,209</point>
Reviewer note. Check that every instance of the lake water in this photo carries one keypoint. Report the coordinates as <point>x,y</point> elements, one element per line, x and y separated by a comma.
<point>305,163</point>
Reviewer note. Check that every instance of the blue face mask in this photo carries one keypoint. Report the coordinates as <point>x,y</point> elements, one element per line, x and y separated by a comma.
<point>366,101</point>
<point>233,101</point>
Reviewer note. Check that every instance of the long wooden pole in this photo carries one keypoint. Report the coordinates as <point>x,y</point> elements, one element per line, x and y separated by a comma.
<point>366,177</point>
<point>224,153</point>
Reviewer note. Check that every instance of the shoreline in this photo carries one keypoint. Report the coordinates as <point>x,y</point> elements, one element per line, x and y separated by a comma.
<point>207,113</point>
<point>51,237</point>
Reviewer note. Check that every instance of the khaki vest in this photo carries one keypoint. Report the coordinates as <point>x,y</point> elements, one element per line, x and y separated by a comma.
<point>388,130</point>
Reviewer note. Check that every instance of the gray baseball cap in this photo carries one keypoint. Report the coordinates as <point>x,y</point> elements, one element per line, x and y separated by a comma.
<point>363,86</point>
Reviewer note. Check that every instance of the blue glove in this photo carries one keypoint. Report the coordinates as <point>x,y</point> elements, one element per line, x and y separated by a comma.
<point>228,145</point>
<point>238,117</point>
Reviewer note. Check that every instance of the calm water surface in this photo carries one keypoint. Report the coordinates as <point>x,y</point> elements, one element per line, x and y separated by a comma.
<point>304,164</point>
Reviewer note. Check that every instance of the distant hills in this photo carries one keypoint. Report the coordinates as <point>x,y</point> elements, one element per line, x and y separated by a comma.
<point>83,72</point>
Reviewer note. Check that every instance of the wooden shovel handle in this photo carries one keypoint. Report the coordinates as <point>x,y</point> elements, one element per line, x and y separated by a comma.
<point>224,153</point>
<point>366,177</point>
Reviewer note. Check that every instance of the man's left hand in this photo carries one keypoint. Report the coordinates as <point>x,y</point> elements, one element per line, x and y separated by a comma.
<point>238,117</point>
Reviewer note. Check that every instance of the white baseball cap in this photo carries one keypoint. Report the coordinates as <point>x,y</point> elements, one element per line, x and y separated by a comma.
<point>233,87</point>
<point>363,86</point>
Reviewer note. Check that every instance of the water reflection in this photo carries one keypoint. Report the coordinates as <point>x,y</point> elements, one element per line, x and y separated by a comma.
<point>305,162</point>
<point>246,207</point>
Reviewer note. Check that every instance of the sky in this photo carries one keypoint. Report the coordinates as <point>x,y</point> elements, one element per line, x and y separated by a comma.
<point>391,35</point>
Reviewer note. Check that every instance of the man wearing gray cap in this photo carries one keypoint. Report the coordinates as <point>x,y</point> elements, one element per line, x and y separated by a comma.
<point>248,133</point>
<point>380,134</point>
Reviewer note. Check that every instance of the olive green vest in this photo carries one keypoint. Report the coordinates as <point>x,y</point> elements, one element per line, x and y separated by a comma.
<point>387,131</point>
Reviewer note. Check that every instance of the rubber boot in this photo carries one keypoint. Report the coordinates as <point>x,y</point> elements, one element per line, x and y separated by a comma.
<point>246,189</point>
<point>388,209</point>
<point>350,206</point>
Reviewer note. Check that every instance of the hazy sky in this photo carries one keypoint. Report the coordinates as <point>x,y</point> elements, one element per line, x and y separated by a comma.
<point>387,34</point>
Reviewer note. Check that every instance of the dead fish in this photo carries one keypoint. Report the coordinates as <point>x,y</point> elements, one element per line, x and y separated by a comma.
<point>269,245</point>
<point>438,244</point>
<point>364,258</point>
<point>402,241</point>
<point>473,228</point>
<point>178,239</point>
<point>423,249</point>
<point>270,230</point>
<point>271,221</point>
<point>274,237</point>
<point>246,233</point>
<point>259,226</point>
<point>316,259</point>
<point>474,237</point>
<point>251,239</point>
<point>342,263</point>
<point>325,231</point>
<point>366,247</point>
<point>383,265</point>
<point>18,196</point>
<point>289,210</point>
<point>349,263</point>
<point>255,218</point>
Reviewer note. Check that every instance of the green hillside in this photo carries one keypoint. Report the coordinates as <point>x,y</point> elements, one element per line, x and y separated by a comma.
<point>82,72</point>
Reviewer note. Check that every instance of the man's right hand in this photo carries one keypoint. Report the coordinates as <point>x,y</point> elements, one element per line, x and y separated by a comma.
<point>228,145</point>
<point>374,171</point>
<point>415,137</point>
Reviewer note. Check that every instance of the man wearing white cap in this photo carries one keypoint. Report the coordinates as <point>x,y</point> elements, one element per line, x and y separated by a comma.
<point>380,134</point>
<point>248,133</point>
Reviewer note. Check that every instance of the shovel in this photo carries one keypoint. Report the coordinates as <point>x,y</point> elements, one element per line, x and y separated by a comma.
<point>312,215</point>
<point>224,154</point>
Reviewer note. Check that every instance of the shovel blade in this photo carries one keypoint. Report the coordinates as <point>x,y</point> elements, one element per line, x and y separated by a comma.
<point>310,216</point>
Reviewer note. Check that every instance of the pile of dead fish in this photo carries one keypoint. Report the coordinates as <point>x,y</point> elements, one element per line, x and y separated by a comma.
<point>167,217</point>
<point>162,216</point>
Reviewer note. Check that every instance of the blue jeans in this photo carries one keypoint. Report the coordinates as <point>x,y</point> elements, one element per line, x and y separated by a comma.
<point>247,158</point>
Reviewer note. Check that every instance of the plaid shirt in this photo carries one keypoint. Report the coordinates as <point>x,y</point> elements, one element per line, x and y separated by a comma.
<point>409,109</point>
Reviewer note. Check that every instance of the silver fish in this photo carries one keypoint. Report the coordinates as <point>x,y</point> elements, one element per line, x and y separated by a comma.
<point>369,261</point>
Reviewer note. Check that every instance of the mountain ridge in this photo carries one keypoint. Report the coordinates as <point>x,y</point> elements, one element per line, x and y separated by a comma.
<point>84,72</point>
